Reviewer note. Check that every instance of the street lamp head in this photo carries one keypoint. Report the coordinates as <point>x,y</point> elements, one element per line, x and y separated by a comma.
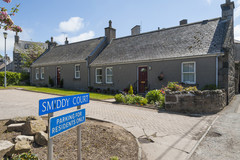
<point>5,35</point>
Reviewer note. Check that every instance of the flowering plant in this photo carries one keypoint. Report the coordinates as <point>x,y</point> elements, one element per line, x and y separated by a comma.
<point>5,19</point>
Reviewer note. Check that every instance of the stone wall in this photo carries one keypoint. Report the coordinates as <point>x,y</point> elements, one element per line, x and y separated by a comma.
<point>196,102</point>
<point>227,64</point>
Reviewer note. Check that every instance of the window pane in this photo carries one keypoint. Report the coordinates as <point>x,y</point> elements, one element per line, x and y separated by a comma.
<point>109,79</point>
<point>77,68</point>
<point>185,67</point>
<point>109,71</point>
<point>99,79</point>
<point>99,71</point>
<point>188,77</point>
<point>77,74</point>
<point>189,67</point>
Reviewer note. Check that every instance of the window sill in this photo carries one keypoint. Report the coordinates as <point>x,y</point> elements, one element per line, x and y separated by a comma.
<point>104,84</point>
<point>189,82</point>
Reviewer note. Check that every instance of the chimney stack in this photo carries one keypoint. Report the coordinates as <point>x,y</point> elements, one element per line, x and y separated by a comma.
<point>227,9</point>
<point>110,32</point>
<point>66,41</point>
<point>51,44</point>
<point>136,30</point>
<point>183,22</point>
<point>16,38</point>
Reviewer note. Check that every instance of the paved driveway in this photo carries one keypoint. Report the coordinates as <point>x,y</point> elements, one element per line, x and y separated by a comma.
<point>174,135</point>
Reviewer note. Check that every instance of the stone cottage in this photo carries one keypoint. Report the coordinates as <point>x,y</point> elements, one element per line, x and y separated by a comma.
<point>200,54</point>
<point>21,46</point>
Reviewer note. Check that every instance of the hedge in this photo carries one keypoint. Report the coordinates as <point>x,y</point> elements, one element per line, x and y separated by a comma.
<point>13,78</point>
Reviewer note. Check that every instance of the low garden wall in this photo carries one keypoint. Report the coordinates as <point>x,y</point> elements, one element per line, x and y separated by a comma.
<point>196,102</point>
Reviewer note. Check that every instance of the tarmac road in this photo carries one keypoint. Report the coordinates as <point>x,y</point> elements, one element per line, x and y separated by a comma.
<point>223,139</point>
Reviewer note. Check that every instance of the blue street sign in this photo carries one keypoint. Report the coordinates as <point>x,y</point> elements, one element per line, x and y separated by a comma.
<point>65,122</point>
<point>60,103</point>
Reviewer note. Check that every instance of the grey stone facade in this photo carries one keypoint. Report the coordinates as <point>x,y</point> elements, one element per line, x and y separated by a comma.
<point>126,74</point>
<point>20,45</point>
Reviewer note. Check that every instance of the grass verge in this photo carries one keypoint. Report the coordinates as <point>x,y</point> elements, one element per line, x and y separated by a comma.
<point>63,92</point>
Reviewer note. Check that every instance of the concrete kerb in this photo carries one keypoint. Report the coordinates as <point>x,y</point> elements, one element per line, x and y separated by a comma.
<point>204,135</point>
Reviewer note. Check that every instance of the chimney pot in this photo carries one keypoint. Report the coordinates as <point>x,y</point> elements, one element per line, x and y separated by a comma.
<point>66,41</point>
<point>183,22</point>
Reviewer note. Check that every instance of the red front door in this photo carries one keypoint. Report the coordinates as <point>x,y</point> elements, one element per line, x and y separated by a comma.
<point>58,76</point>
<point>142,79</point>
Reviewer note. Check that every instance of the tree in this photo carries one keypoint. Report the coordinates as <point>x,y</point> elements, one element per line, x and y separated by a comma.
<point>5,19</point>
<point>30,54</point>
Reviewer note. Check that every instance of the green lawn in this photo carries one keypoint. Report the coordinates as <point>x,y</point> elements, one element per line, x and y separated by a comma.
<point>63,92</point>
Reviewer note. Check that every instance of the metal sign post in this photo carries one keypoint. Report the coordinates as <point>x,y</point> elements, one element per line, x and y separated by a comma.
<point>79,142</point>
<point>60,124</point>
<point>50,140</point>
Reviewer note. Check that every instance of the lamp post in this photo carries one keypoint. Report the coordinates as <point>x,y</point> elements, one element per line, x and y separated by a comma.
<point>5,61</point>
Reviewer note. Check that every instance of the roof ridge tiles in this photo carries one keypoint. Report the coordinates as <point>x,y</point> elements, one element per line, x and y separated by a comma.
<point>164,29</point>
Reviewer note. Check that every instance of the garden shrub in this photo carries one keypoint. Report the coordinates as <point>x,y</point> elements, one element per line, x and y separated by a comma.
<point>129,99</point>
<point>174,86</point>
<point>50,81</point>
<point>24,156</point>
<point>114,158</point>
<point>153,96</point>
<point>25,78</point>
<point>13,78</point>
<point>162,100</point>
<point>143,101</point>
<point>119,98</point>
<point>140,100</point>
<point>194,88</point>
<point>130,91</point>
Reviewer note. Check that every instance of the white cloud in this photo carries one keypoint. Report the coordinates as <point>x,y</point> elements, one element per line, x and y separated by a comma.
<point>60,38</point>
<point>237,10</point>
<point>209,1</point>
<point>238,2</point>
<point>84,36</point>
<point>81,37</point>
<point>237,32</point>
<point>72,25</point>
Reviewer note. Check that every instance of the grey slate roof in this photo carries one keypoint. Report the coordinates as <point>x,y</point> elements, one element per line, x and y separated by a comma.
<point>71,53</point>
<point>20,46</point>
<point>201,38</point>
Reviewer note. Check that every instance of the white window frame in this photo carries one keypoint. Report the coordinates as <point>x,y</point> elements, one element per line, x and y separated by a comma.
<point>42,72</point>
<point>96,76</point>
<point>109,75</point>
<point>187,82</point>
<point>77,71</point>
<point>37,73</point>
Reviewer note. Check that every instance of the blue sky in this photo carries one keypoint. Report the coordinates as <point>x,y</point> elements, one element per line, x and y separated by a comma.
<point>85,19</point>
